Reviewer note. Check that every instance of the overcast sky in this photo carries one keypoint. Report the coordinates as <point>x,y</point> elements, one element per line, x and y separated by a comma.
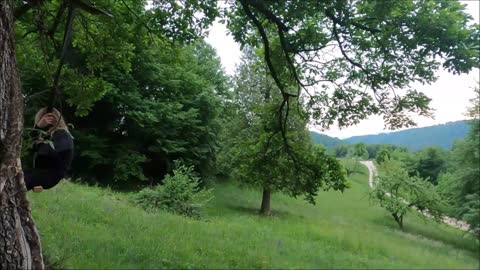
<point>450,94</point>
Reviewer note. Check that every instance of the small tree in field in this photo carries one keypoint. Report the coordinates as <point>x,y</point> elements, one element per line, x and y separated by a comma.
<point>262,162</point>
<point>382,156</point>
<point>398,193</point>
<point>359,151</point>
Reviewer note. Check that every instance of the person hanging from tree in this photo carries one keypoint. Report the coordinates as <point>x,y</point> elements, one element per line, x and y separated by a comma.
<point>53,152</point>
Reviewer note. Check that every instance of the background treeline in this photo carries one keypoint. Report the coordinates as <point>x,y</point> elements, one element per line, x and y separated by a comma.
<point>454,173</point>
<point>138,100</point>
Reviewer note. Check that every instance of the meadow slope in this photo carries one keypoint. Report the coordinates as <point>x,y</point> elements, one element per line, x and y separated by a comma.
<point>91,227</point>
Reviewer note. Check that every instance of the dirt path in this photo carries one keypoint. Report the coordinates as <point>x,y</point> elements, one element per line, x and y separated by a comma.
<point>372,172</point>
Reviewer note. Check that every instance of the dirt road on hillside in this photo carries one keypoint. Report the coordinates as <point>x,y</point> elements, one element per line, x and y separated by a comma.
<point>372,172</point>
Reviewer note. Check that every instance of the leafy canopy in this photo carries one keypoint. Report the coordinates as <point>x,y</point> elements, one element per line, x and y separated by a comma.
<point>353,59</point>
<point>259,155</point>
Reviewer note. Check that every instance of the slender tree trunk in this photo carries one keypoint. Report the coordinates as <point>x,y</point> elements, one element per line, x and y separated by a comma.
<point>398,219</point>
<point>265,208</point>
<point>19,240</point>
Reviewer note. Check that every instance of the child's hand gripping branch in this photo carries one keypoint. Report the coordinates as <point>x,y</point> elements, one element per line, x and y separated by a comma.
<point>47,120</point>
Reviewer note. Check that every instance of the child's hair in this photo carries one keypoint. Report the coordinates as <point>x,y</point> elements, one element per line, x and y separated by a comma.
<point>60,121</point>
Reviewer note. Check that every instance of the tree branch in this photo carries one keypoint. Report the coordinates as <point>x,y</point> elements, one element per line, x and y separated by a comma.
<point>18,12</point>
<point>258,5</point>
<point>266,45</point>
<point>56,21</point>
<point>90,9</point>
<point>331,16</point>
<point>340,44</point>
<point>136,16</point>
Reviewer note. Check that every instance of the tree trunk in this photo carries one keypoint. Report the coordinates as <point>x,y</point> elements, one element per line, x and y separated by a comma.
<point>398,219</point>
<point>19,240</point>
<point>265,208</point>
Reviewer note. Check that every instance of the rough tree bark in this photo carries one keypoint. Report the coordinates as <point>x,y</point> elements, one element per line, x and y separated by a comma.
<point>265,208</point>
<point>19,240</point>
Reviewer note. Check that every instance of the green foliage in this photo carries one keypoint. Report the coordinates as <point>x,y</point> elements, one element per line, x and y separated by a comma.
<point>460,185</point>
<point>373,150</point>
<point>428,163</point>
<point>259,154</point>
<point>473,110</point>
<point>470,212</point>
<point>382,156</point>
<point>182,21</point>
<point>398,193</point>
<point>341,150</point>
<point>128,165</point>
<point>180,193</point>
<point>384,47</point>
<point>359,151</point>
<point>352,167</point>
<point>136,101</point>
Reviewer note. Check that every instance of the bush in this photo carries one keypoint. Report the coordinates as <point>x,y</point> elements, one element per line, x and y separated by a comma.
<point>180,193</point>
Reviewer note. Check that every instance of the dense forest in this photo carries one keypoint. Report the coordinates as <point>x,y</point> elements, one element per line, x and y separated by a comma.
<point>153,116</point>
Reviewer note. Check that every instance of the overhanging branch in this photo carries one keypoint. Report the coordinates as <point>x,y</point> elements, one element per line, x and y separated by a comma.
<point>331,16</point>
<point>266,45</point>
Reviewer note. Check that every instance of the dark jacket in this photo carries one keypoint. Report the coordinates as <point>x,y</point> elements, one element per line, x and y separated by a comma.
<point>51,164</point>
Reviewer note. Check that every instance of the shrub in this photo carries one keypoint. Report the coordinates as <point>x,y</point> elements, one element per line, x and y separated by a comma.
<point>180,193</point>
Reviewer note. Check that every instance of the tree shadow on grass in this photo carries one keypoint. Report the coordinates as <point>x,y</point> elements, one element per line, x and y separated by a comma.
<point>255,211</point>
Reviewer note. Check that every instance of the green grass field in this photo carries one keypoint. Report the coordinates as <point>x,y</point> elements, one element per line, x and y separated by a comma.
<point>90,227</point>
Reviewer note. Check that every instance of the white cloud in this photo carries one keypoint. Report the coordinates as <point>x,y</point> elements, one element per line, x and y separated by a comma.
<point>226,47</point>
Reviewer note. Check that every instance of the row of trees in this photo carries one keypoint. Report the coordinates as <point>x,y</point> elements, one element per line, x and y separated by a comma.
<point>142,89</point>
<point>441,182</point>
<point>444,183</point>
<point>460,184</point>
<point>429,163</point>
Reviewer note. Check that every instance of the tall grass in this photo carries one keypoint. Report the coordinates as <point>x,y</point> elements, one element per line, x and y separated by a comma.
<point>89,227</point>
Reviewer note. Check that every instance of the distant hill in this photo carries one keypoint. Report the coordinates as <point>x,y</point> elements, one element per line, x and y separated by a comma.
<point>417,138</point>
<point>442,135</point>
<point>327,141</point>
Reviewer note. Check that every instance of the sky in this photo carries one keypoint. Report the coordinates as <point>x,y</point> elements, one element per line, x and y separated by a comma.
<point>450,94</point>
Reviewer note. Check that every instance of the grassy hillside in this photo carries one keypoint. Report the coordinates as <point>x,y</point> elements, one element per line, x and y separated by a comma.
<point>89,227</point>
<point>417,138</point>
